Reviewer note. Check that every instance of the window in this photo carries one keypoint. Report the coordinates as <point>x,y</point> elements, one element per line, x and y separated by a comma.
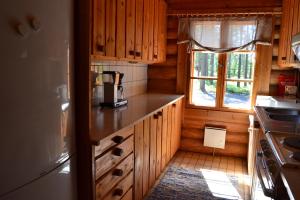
<point>222,80</point>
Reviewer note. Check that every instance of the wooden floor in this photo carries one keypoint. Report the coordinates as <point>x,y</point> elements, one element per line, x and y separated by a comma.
<point>221,166</point>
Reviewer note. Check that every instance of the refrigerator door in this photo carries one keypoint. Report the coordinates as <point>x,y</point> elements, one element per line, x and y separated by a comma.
<point>59,184</point>
<point>36,104</point>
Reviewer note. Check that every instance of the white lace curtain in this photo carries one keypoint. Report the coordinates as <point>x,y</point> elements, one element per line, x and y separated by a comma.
<point>225,34</point>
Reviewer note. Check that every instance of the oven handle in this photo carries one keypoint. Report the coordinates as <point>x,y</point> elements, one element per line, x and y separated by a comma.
<point>267,192</point>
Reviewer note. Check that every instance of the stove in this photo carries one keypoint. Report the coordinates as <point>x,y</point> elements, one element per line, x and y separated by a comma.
<point>286,147</point>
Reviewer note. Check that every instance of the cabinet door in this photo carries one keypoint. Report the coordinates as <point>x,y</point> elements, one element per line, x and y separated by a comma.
<point>121,29</point>
<point>162,29</point>
<point>110,28</point>
<point>169,133</point>
<point>130,28</point>
<point>151,30</point>
<point>139,29</point>
<point>155,30</point>
<point>164,138</point>
<point>290,25</point>
<point>159,144</point>
<point>99,27</point>
<point>174,133</point>
<point>146,156</point>
<point>138,160</point>
<point>178,122</point>
<point>153,147</point>
<point>145,49</point>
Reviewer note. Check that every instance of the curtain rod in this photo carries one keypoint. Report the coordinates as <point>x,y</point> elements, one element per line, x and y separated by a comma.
<point>193,13</point>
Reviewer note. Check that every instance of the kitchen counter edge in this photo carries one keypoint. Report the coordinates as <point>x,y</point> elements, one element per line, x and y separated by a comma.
<point>96,134</point>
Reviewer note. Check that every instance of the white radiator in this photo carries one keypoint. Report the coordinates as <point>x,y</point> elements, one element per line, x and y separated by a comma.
<point>214,137</point>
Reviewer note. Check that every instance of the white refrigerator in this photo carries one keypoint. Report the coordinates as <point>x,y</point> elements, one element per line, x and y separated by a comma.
<point>37,131</point>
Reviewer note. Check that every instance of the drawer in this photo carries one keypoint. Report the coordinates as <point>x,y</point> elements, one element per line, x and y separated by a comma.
<point>111,158</point>
<point>120,190</point>
<point>128,195</point>
<point>105,184</point>
<point>112,140</point>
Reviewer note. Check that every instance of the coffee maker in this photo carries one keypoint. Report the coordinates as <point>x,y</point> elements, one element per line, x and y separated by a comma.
<point>113,89</point>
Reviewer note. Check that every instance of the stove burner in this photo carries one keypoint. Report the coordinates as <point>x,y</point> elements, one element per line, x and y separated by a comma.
<point>296,155</point>
<point>292,142</point>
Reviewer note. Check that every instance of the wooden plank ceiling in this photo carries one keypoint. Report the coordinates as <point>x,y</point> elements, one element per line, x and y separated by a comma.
<point>221,4</point>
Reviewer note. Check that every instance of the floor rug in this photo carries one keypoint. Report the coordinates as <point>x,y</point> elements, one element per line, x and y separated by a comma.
<point>184,184</point>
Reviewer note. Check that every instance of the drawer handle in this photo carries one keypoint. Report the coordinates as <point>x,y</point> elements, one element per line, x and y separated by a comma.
<point>138,54</point>
<point>118,139</point>
<point>155,116</point>
<point>100,48</point>
<point>131,52</point>
<point>174,104</point>
<point>155,56</point>
<point>118,192</point>
<point>159,113</point>
<point>118,152</point>
<point>117,172</point>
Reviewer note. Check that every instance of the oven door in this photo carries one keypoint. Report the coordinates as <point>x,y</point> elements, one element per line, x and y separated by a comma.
<point>262,187</point>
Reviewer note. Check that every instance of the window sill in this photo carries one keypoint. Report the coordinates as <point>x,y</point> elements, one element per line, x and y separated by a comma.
<point>223,109</point>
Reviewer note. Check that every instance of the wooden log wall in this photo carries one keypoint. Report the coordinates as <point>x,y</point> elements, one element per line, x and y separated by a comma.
<point>236,125</point>
<point>166,78</point>
<point>162,77</point>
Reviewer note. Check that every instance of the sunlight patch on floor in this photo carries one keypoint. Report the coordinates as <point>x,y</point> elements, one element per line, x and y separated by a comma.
<point>220,185</point>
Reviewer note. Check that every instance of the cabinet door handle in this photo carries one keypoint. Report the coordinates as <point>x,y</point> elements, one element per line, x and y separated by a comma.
<point>155,116</point>
<point>118,192</point>
<point>138,54</point>
<point>100,48</point>
<point>117,152</point>
<point>155,56</point>
<point>174,104</point>
<point>117,172</point>
<point>118,139</point>
<point>131,52</point>
<point>159,113</point>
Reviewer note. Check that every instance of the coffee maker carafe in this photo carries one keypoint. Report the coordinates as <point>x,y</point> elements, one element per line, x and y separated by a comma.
<point>113,89</point>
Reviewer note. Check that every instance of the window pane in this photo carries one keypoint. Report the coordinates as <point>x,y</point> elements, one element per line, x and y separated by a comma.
<point>240,65</point>
<point>238,95</point>
<point>204,92</point>
<point>205,64</point>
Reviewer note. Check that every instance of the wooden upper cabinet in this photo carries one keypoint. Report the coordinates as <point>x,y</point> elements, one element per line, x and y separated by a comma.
<point>99,27</point>
<point>290,25</point>
<point>130,30</point>
<point>162,31</point>
<point>146,27</point>
<point>151,30</point>
<point>139,17</point>
<point>155,30</point>
<point>111,13</point>
<point>121,29</point>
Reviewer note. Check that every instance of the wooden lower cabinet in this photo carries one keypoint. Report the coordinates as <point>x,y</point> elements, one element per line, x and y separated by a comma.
<point>114,164</point>
<point>128,162</point>
<point>156,140</point>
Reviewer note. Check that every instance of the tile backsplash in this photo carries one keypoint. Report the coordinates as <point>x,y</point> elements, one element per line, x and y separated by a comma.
<point>134,81</point>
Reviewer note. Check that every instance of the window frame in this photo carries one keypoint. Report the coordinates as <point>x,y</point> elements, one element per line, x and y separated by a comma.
<point>221,83</point>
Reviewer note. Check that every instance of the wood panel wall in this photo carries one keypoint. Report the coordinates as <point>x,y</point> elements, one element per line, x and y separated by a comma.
<point>162,76</point>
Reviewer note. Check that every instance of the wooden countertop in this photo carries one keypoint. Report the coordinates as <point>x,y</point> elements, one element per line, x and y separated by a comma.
<point>107,121</point>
